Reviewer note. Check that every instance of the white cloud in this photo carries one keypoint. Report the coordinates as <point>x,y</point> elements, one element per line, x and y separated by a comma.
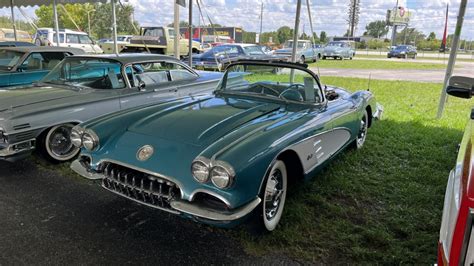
<point>328,15</point>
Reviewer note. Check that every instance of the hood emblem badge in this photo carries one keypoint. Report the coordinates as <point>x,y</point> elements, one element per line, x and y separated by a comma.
<point>145,152</point>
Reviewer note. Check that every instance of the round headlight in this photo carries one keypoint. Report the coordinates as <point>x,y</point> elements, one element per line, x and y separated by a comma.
<point>90,140</point>
<point>200,171</point>
<point>76,136</point>
<point>222,176</point>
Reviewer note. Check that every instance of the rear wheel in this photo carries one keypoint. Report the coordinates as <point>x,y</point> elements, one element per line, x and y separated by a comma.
<point>362,134</point>
<point>55,144</point>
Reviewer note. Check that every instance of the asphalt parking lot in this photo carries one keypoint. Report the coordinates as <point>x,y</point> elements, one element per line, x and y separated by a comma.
<point>51,218</point>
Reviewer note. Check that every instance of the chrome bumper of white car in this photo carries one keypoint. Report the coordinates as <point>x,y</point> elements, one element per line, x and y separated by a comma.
<point>158,192</point>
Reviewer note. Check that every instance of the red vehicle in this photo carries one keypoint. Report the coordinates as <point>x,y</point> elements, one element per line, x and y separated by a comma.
<point>456,239</point>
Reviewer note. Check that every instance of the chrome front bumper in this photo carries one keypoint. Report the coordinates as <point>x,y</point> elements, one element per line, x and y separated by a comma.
<point>19,149</point>
<point>174,205</point>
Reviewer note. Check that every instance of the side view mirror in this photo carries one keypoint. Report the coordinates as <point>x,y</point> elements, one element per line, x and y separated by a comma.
<point>459,86</point>
<point>141,85</point>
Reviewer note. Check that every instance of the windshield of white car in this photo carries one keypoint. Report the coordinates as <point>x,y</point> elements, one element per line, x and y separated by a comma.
<point>87,72</point>
<point>8,59</point>
<point>271,82</point>
<point>289,44</point>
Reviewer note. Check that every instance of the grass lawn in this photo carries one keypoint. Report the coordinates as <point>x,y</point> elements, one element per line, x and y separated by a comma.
<point>376,64</point>
<point>419,56</point>
<point>382,203</point>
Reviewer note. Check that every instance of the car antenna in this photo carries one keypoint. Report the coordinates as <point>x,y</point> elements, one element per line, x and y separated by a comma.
<point>368,85</point>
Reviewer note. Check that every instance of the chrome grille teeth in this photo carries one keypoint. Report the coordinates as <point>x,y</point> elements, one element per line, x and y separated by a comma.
<point>151,190</point>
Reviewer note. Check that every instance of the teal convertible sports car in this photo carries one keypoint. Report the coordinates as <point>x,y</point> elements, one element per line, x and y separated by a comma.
<point>219,158</point>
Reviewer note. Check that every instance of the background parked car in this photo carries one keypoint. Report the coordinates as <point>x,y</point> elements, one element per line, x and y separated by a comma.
<point>220,157</point>
<point>122,41</point>
<point>85,87</point>
<point>403,51</point>
<point>220,56</point>
<point>67,38</point>
<point>9,35</point>
<point>339,50</point>
<point>28,64</point>
<point>456,236</point>
<point>15,44</point>
<point>305,52</point>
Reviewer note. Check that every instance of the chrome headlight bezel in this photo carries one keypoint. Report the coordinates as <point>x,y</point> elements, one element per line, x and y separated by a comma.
<point>222,175</point>
<point>200,169</point>
<point>90,140</point>
<point>77,133</point>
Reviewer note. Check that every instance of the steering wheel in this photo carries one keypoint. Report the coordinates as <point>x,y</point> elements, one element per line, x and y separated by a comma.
<point>264,87</point>
<point>295,90</point>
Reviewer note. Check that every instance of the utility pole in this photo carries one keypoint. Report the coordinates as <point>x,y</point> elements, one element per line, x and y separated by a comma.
<point>176,30</point>
<point>354,5</point>
<point>12,5</point>
<point>114,27</point>
<point>261,23</point>
<point>452,56</point>
<point>190,33</point>
<point>56,23</point>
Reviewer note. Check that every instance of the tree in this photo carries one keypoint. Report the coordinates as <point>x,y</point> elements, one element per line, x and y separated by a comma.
<point>431,37</point>
<point>248,37</point>
<point>182,24</point>
<point>5,22</point>
<point>101,18</point>
<point>353,16</point>
<point>410,36</point>
<point>323,37</point>
<point>284,33</point>
<point>376,28</point>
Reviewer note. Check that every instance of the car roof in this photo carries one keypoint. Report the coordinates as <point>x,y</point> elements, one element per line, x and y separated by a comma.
<point>64,31</point>
<point>27,49</point>
<point>130,58</point>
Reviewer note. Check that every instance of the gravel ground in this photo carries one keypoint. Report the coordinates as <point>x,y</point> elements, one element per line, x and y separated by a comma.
<point>50,218</point>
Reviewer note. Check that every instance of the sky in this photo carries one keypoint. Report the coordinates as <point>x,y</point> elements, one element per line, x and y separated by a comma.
<point>328,15</point>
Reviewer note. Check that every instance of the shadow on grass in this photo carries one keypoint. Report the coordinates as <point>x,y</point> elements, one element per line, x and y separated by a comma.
<point>382,203</point>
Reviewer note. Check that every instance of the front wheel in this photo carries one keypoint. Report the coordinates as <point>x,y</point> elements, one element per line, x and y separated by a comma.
<point>56,146</point>
<point>302,60</point>
<point>273,197</point>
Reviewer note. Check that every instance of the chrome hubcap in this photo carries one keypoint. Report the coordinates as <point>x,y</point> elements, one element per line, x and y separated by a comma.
<point>273,192</point>
<point>362,131</point>
<point>59,143</point>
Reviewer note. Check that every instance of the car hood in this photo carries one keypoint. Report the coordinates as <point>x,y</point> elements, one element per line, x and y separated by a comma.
<point>25,97</point>
<point>201,122</point>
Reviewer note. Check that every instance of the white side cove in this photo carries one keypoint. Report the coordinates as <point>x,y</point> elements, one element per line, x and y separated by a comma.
<point>316,149</point>
<point>450,210</point>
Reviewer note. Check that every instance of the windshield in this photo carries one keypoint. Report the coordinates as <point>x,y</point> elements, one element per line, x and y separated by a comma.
<point>401,47</point>
<point>272,82</point>
<point>336,44</point>
<point>289,44</point>
<point>87,72</point>
<point>222,50</point>
<point>8,59</point>
<point>253,50</point>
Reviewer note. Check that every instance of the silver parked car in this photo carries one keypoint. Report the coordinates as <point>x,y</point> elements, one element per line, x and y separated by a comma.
<point>339,50</point>
<point>85,87</point>
<point>305,51</point>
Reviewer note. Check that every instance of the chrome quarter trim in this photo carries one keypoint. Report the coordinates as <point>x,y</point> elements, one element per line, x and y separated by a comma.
<point>194,210</point>
<point>200,190</point>
<point>467,242</point>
